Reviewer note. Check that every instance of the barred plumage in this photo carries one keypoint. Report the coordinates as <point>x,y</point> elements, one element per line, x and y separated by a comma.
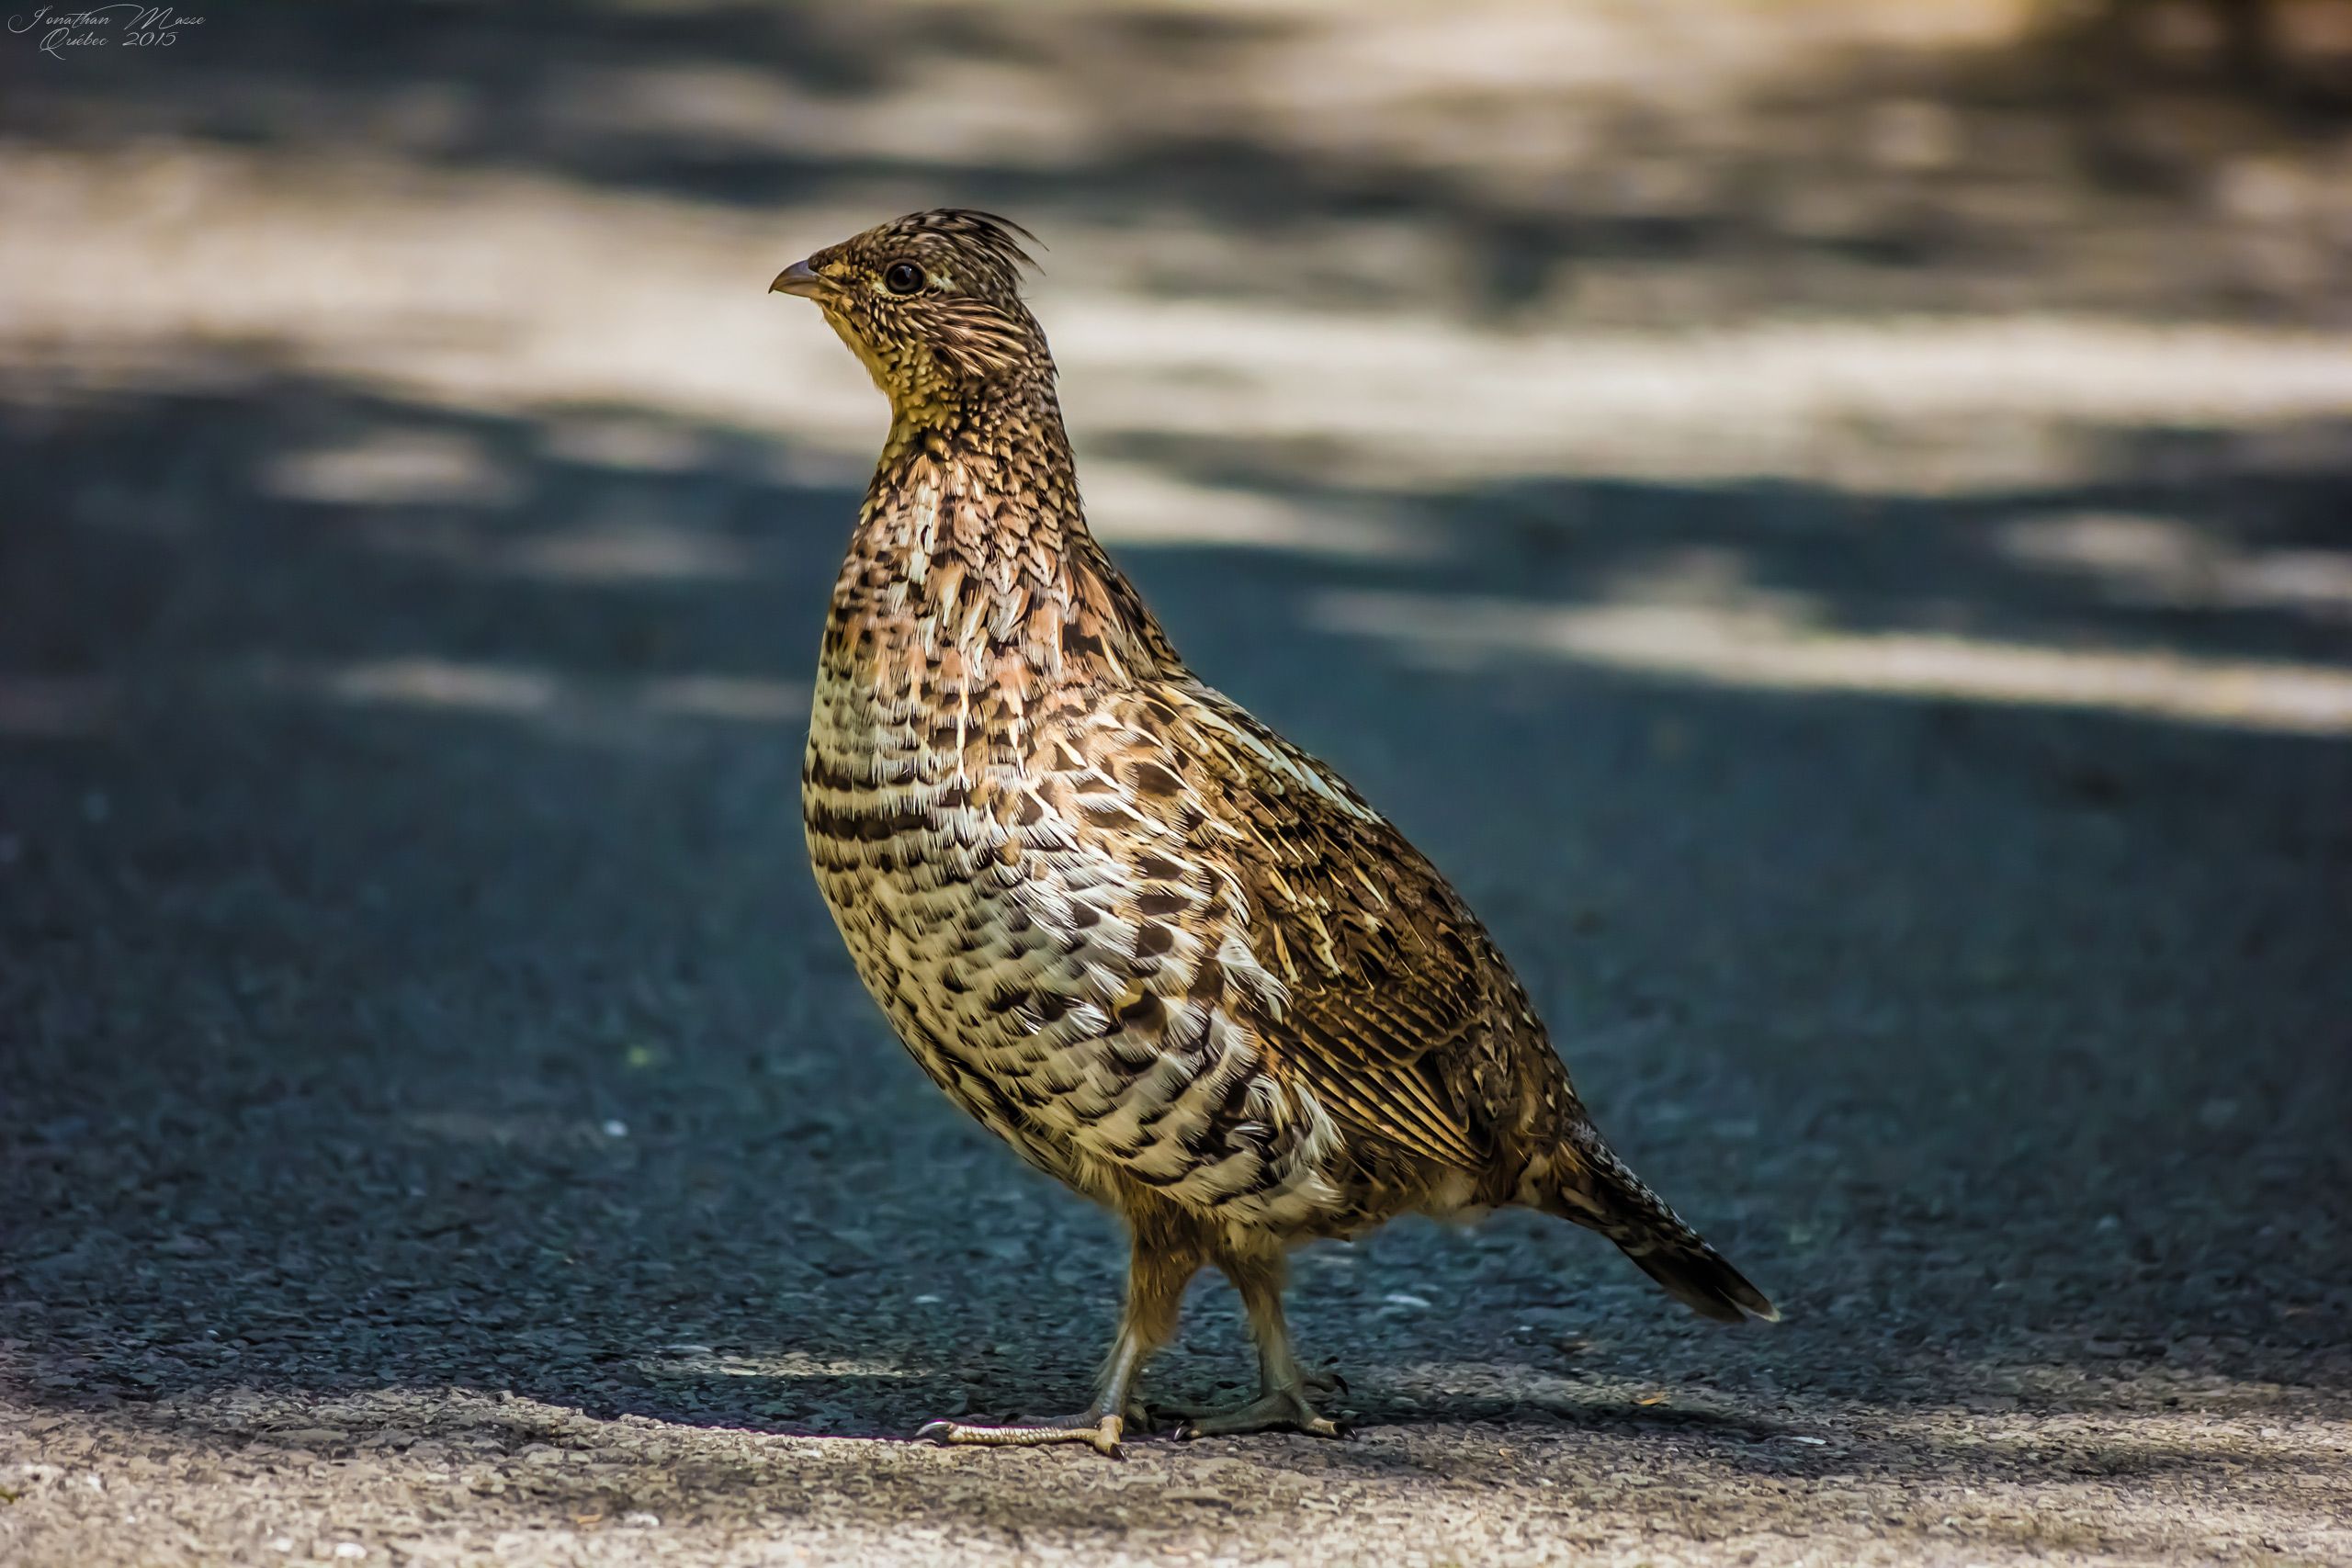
<point>1167,956</point>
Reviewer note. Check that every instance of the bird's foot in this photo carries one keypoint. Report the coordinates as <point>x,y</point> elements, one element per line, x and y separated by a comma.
<point>1100,1432</point>
<point>1276,1410</point>
<point>1316,1382</point>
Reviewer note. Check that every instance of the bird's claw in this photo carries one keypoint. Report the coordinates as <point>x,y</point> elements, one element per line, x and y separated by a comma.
<point>1101,1433</point>
<point>1328,1380</point>
<point>1277,1410</point>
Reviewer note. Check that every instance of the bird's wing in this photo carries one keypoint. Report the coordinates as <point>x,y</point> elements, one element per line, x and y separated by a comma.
<point>1386,978</point>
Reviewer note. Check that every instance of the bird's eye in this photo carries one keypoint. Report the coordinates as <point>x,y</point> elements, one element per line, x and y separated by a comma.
<point>903,278</point>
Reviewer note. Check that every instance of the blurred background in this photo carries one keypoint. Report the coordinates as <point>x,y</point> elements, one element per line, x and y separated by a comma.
<point>1831,520</point>
<point>466,289</point>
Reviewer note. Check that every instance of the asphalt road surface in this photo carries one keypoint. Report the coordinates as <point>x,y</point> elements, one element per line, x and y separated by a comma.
<point>441,1123</point>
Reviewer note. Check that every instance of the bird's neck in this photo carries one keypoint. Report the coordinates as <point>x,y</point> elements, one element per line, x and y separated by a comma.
<point>1001,442</point>
<point>972,560</point>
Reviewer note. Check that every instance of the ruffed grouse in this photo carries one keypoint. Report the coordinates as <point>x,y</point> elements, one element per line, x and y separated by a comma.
<point>1167,955</point>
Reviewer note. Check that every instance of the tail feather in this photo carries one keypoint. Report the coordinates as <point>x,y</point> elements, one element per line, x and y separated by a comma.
<point>1698,1276</point>
<point>1588,1183</point>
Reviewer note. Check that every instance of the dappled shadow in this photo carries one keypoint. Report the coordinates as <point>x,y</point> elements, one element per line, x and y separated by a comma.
<point>1964,162</point>
<point>408,999</point>
<point>2226,543</point>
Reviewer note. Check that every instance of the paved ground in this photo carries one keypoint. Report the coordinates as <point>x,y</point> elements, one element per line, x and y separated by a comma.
<point>438,1124</point>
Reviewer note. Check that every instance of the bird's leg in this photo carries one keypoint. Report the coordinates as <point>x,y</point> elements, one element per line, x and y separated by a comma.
<point>1157,1272</point>
<point>1283,1385</point>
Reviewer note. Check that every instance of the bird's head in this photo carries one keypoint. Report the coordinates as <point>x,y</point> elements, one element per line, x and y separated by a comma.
<point>931,302</point>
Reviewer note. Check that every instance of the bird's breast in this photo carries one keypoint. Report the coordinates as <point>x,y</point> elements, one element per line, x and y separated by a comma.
<point>1035,972</point>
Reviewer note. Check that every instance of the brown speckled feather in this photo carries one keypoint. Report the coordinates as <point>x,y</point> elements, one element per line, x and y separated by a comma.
<point>1166,954</point>
<point>1389,984</point>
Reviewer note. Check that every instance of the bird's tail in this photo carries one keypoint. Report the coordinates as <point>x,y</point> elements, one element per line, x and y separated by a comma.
<point>1584,1182</point>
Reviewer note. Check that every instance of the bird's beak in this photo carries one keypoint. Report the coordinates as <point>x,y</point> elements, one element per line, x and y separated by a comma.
<point>798,278</point>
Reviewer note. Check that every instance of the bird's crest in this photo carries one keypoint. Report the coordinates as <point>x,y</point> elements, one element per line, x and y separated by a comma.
<point>998,237</point>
